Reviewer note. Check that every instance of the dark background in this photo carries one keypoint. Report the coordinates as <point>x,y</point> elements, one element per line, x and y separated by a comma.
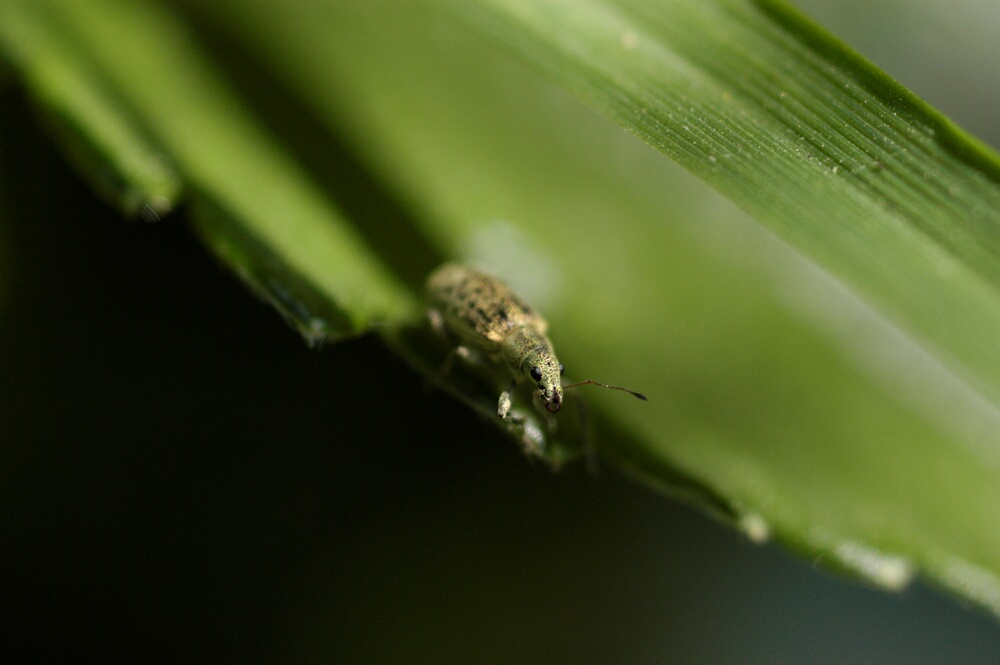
<point>181,478</point>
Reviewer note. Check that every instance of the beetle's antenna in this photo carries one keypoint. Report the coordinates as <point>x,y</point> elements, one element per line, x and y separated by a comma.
<point>604,385</point>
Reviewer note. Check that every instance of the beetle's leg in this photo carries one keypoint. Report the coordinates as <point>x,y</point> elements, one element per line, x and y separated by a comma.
<point>503,407</point>
<point>437,322</point>
<point>532,437</point>
<point>462,352</point>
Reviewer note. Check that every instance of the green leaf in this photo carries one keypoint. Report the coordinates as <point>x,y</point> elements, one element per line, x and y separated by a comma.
<point>805,135</point>
<point>254,205</point>
<point>778,398</point>
<point>102,137</point>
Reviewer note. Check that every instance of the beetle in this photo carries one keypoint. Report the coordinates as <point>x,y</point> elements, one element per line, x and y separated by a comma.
<point>485,315</point>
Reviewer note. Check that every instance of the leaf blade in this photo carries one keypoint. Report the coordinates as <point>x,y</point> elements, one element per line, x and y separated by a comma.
<point>759,400</point>
<point>769,421</point>
<point>700,85</point>
<point>226,161</point>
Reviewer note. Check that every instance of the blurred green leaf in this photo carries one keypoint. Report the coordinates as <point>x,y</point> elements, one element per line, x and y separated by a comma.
<point>777,397</point>
<point>98,132</point>
<point>281,234</point>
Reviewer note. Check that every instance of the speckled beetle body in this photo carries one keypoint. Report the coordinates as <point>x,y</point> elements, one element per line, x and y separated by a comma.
<point>485,314</point>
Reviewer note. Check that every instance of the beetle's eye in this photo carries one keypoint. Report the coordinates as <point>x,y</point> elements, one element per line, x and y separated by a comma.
<point>561,369</point>
<point>535,374</point>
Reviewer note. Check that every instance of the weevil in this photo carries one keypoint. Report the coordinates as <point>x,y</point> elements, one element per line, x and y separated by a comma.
<point>486,316</point>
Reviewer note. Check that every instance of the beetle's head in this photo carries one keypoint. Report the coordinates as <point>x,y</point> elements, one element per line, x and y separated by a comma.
<point>545,372</point>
